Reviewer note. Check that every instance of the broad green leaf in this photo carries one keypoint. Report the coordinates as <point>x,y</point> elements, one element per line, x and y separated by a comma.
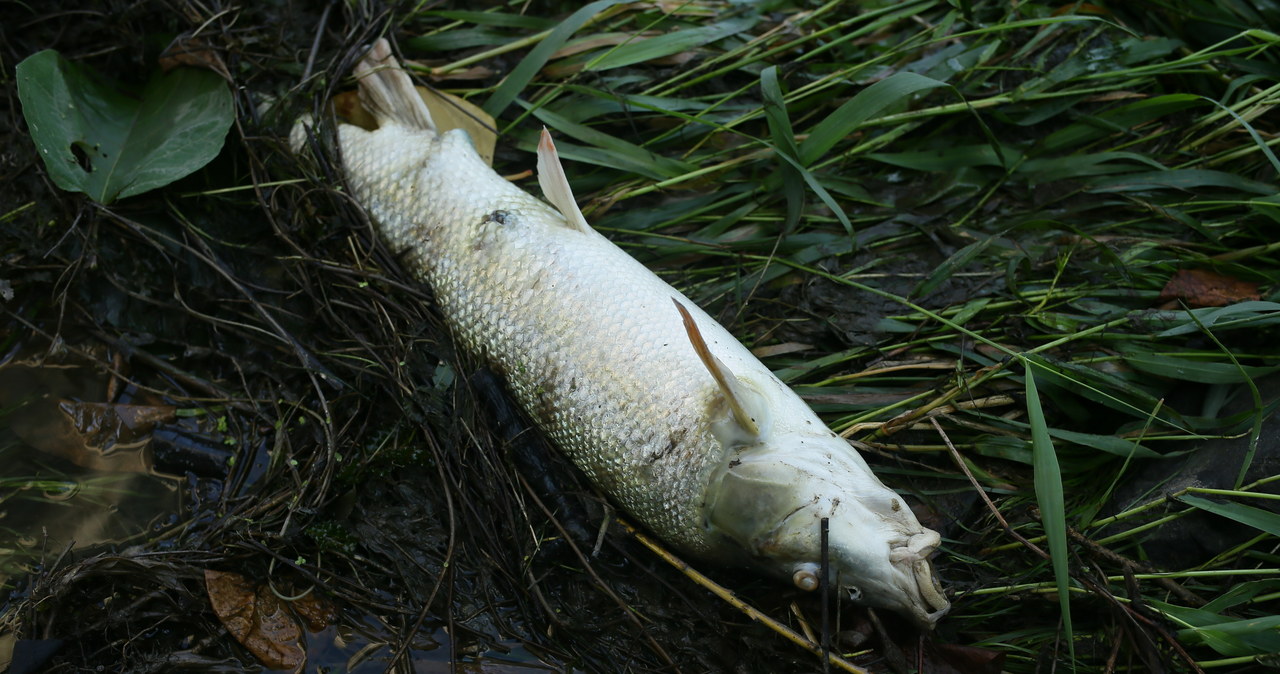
<point>1047,478</point>
<point>130,145</point>
<point>522,74</point>
<point>1262,520</point>
<point>667,44</point>
<point>865,105</point>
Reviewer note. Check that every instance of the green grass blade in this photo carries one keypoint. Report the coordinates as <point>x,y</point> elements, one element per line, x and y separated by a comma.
<point>632,156</point>
<point>648,49</point>
<point>495,19</point>
<point>784,143</point>
<point>1170,365</point>
<point>522,74</point>
<point>1048,485</point>
<point>1182,179</point>
<point>1262,520</point>
<point>866,104</point>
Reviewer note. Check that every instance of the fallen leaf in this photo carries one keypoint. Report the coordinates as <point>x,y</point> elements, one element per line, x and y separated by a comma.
<point>316,611</point>
<point>187,50</point>
<point>107,426</point>
<point>780,349</point>
<point>1207,288</point>
<point>257,619</point>
<point>98,139</point>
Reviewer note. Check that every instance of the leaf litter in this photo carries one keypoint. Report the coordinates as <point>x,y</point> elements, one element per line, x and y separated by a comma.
<point>979,186</point>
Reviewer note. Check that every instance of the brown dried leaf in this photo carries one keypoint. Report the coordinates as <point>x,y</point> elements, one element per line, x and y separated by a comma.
<point>462,74</point>
<point>780,349</point>
<point>316,611</point>
<point>1207,288</point>
<point>196,52</point>
<point>107,425</point>
<point>257,619</point>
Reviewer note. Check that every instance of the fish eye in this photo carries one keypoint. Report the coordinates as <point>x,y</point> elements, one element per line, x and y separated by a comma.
<point>855,592</point>
<point>806,577</point>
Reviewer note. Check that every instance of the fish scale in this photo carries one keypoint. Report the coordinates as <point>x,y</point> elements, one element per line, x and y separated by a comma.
<point>575,354</point>
<point>663,409</point>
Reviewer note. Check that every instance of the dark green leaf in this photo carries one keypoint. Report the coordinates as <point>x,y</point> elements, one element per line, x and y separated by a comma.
<point>130,145</point>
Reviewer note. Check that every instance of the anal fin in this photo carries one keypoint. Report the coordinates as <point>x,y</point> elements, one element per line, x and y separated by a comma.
<point>724,378</point>
<point>555,186</point>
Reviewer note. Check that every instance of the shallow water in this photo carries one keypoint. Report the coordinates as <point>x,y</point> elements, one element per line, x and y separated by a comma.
<point>75,467</point>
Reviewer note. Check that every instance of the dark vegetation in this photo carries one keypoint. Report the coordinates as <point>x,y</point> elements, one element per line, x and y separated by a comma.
<point>1081,193</point>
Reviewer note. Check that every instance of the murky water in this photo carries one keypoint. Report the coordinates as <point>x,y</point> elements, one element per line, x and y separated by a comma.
<point>75,470</point>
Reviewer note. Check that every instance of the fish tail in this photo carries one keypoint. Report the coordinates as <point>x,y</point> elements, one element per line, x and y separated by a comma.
<point>387,92</point>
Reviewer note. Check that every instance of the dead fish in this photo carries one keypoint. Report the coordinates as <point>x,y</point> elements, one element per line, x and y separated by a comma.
<point>650,397</point>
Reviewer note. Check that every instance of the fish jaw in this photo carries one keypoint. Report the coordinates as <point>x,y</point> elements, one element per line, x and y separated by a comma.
<point>771,498</point>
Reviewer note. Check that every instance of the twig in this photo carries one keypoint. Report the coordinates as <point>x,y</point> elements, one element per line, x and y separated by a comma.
<point>604,587</point>
<point>724,594</point>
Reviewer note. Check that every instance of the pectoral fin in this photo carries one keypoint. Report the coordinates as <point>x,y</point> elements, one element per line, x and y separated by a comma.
<point>555,186</point>
<point>724,378</point>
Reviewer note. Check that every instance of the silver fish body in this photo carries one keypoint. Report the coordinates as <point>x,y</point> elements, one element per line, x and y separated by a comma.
<point>592,347</point>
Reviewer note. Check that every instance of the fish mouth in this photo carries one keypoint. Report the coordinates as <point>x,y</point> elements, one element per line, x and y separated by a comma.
<point>933,602</point>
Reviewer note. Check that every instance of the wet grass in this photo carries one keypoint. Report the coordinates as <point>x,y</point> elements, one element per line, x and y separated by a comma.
<point>951,226</point>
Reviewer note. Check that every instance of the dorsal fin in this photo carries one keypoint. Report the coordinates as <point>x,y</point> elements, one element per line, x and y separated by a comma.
<point>724,378</point>
<point>555,186</point>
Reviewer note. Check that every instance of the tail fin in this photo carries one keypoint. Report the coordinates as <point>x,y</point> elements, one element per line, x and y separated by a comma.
<point>387,92</point>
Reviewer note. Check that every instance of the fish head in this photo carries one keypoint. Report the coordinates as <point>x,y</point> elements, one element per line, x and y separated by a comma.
<point>772,501</point>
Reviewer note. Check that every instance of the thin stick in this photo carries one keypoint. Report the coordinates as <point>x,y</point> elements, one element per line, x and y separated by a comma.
<point>751,612</point>
<point>825,585</point>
